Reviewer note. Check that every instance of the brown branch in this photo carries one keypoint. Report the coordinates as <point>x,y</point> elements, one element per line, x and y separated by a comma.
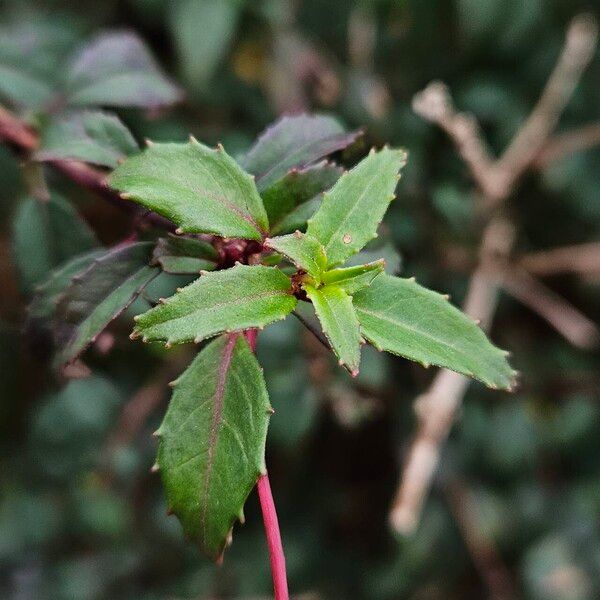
<point>482,549</point>
<point>582,259</point>
<point>437,407</point>
<point>570,142</point>
<point>25,140</point>
<point>564,317</point>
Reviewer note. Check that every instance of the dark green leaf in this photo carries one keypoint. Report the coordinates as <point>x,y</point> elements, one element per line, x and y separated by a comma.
<point>95,137</point>
<point>234,299</point>
<point>32,47</point>
<point>352,210</point>
<point>100,294</point>
<point>117,69</point>
<point>340,325</point>
<point>296,187</point>
<point>402,317</point>
<point>202,32</point>
<point>46,234</point>
<point>183,255</point>
<point>296,141</point>
<point>199,189</point>
<point>49,292</point>
<point>212,441</point>
<point>297,220</point>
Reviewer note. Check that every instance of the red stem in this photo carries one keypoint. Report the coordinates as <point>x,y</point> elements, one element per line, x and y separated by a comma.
<point>276,554</point>
<point>267,505</point>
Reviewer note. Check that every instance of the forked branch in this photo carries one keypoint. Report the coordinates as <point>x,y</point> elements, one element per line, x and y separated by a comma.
<point>437,407</point>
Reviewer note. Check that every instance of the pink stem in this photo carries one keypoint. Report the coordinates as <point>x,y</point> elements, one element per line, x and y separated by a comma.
<point>267,505</point>
<point>276,554</point>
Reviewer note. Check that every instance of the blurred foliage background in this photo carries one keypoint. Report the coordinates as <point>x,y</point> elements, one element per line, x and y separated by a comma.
<point>80,515</point>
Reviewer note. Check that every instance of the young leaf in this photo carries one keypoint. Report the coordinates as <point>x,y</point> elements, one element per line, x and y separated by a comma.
<point>338,320</point>
<point>234,299</point>
<point>182,255</point>
<point>200,189</point>
<point>100,294</point>
<point>296,187</point>
<point>353,208</point>
<point>298,218</point>
<point>353,279</point>
<point>402,317</point>
<point>212,441</point>
<point>46,234</point>
<point>94,137</point>
<point>305,252</point>
<point>296,141</point>
<point>46,297</point>
<point>117,69</point>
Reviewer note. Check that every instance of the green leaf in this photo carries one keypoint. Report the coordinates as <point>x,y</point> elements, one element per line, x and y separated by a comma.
<point>296,187</point>
<point>234,299</point>
<point>100,294</point>
<point>353,279</point>
<point>200,189</point>
<point>298,218</point>
<point>117,69</point>
<point>296,141</point>
<point>305,252</point>
<point>49,292</point>
<point>46,234</point>
<point>402,317</point>
<point>183,255</point>
<point>339,322</point>
<point>94,137</point>
<point>202,32</point>
<point>32,47</point>
<point>212,441</point>
<point>354,207</point>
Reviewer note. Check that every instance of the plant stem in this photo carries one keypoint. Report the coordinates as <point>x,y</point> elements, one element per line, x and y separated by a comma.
<point>276,554</point>
<point>267,506</point>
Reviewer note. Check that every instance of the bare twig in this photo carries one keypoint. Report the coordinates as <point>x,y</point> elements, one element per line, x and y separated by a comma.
<point>582,259</point>
<point>482,549</point>
<point>570,142</point>
<point>437,407</point>
<point>564,317</point>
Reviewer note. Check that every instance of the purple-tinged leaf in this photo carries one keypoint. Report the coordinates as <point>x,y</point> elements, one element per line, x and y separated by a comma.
<point>294,142</point>
<point>99,295</point>
<point>117,69</point>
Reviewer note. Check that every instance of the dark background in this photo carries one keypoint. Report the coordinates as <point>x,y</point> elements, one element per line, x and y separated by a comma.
<point>80,515</point>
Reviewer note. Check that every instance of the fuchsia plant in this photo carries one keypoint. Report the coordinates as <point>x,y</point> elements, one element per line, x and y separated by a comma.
<point>261,235</point>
